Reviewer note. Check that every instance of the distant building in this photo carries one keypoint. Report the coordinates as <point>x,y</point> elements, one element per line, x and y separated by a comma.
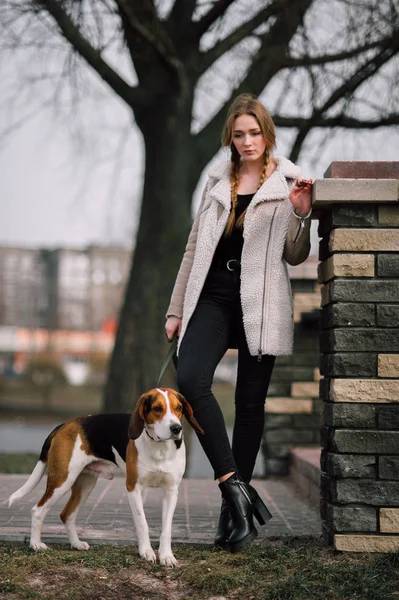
<point>109,271</point>
<point>62,288</point>
<point>23,295</point>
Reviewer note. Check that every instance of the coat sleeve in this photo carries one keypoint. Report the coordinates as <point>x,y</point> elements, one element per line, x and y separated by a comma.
<point>297,243</point>
<point>177,299</point>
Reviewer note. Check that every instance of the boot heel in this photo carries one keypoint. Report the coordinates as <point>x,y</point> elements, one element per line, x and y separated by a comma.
<point>261,512</point>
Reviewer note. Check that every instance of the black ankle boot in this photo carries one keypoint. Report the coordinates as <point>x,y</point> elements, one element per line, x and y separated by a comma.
<point>225,527</point>
<point>244,503</point>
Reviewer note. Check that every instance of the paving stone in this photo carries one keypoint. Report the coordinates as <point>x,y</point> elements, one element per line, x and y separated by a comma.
<point>106,516</point>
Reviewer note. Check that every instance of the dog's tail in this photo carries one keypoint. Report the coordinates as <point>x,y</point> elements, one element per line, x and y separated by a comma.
<point>37,472</point>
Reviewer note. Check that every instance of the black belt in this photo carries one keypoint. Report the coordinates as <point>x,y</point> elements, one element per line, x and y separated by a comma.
<point>231,265</point>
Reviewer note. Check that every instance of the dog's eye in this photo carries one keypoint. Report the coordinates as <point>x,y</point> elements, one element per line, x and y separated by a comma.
<point>179,408</point>
<point>157,409</point>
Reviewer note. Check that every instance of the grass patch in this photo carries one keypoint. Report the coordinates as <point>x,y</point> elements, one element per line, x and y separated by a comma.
<point>19,398</point>
<point>295,570</point>
<point>20,395</point>
<point>18,463</point>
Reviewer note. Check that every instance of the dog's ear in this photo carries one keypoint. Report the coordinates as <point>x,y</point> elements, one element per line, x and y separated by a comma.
<point>136,424</point>
<point>188,413</point>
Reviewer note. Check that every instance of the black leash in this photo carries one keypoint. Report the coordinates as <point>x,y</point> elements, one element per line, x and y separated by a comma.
<point>171,354</point>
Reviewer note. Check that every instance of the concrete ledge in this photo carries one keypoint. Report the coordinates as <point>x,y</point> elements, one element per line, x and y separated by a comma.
<point>354,190</point>
<point>305,474</point>
<point>305,302</point>
<point>289,405</point>
<point>305,389</point>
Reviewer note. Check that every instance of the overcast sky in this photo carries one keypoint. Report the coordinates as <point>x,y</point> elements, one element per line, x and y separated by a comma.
<point>53,193</point>
<point>73,176</point>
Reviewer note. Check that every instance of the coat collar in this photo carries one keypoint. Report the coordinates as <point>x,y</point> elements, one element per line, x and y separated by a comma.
<point>274,188</point>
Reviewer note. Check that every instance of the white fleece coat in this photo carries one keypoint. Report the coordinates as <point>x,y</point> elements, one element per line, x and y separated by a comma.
<point>272,236</point>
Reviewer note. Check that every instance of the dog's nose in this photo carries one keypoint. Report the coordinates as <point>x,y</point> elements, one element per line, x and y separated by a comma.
<point>175,428</point>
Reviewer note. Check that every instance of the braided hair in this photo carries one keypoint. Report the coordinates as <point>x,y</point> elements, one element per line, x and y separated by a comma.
<point>232,221</point>
<point>249,105</point>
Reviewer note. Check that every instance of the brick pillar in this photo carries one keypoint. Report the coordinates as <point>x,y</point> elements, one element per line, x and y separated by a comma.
<point>359,345</point>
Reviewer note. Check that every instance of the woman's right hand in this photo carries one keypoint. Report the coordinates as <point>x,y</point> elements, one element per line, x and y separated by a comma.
<point>172,328</point>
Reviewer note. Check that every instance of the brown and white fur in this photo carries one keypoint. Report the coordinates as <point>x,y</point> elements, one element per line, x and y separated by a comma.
<point>147,445</point>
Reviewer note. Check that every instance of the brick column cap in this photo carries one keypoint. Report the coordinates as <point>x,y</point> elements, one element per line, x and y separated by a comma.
<point>369,191</point>
<point>360,169</point>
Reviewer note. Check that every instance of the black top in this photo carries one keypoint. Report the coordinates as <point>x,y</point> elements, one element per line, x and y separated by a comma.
<point>231,246</point>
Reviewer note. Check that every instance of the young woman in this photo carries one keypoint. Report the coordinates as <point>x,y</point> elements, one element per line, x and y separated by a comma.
<point>233,290</point>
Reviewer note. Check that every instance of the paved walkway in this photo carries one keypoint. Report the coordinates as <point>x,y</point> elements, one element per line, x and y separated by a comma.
<point>106,517</point>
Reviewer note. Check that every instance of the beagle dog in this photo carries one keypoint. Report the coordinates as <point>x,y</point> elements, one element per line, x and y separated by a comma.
<point>147,445</point>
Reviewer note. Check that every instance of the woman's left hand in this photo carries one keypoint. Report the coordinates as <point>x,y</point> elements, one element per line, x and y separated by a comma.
<point>301,196</point>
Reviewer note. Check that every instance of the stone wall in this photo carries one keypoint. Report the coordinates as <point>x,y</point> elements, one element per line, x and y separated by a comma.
<point>293,406</point>
<point>359,345</point>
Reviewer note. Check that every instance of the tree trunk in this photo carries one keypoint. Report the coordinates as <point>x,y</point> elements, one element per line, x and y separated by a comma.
<point>170,179</point>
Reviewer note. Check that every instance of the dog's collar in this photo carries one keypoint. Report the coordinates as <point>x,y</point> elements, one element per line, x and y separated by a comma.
<point>151,438</point>
<point>177,442</point>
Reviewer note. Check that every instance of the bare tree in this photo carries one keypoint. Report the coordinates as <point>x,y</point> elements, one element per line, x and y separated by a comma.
<point>329,64</point>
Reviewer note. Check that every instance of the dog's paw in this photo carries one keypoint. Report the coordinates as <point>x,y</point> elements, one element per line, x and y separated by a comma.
<point>148,554</point>
<point>80,546</point>
<point>167,560</point>
<point>38,546</point>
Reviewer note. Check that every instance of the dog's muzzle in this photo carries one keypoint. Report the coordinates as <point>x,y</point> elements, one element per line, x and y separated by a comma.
<point>176,428</point>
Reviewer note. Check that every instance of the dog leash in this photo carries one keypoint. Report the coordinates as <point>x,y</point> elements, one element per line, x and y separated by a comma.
<point>170,354</point>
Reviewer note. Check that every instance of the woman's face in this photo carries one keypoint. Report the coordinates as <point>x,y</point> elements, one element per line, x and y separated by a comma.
<point>248,138</point>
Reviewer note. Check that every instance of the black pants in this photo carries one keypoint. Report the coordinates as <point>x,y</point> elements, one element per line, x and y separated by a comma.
<point>217,318</point>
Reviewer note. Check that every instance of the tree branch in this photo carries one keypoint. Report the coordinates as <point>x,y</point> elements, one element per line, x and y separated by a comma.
<point>367,70</point>
<point>311,61</point>
<point>92,56</point>
<point>217,10</point>
<point>182,13</point>
<point>158,39</point>
<point>267,62</point>
<point>339,121</point>
<point>236,36</point>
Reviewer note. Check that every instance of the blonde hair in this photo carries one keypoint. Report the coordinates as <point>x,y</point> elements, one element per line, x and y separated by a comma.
<point>245,104</point>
